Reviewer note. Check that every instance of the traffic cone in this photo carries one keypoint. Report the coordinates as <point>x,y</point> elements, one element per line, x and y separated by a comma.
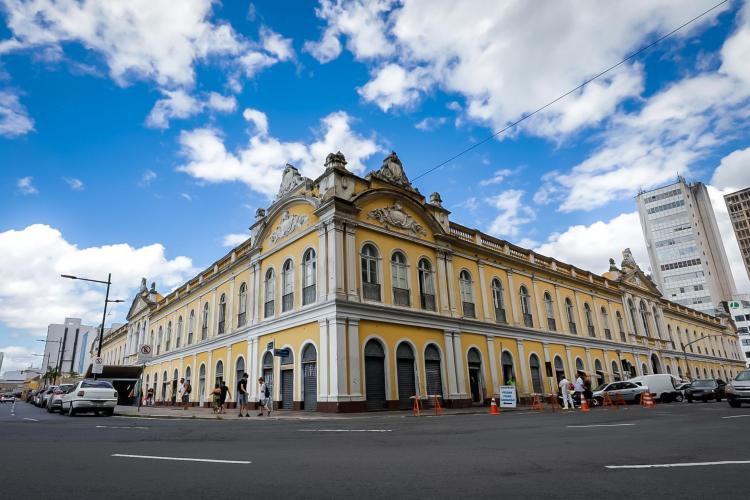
<point>647,401</point>
<point>584,403</point>
<point>493,408</point>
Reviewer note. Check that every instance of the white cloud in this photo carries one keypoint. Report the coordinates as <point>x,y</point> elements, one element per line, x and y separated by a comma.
<point>32,294</point>
<point>186,196</point>
<point>591,246</point>
<point>18,358</point>
<point>180,104</point>
<point>512,213</point>
<point>14,118</point>
<point>471,204</point>
<point>276,45</point>
<point>25,185</point>
<point>218,102</point>
<point>431,123</point>
<point>234,239</point>
<point>148,176</point>
<point>75,184</point>
<point>733,173</point>
<point>260,163</point>
<point>394,86</point>
<point>360,21</point>
<point>498,177</point>
<point>491,53</point>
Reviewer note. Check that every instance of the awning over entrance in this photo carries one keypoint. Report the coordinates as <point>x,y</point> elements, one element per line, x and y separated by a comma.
<point>117,372</point>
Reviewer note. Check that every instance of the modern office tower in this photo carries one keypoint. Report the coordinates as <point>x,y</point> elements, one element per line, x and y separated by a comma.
<point>739,308</point>
<point>688,262</point>
<point>738,204</point>
<point>67,346</point>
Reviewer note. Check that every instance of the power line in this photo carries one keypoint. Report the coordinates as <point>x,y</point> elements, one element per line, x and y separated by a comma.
<point>566,94</point>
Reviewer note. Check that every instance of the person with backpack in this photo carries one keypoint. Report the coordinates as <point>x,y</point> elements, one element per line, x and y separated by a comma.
<point>224,397</point>
<point>216,397</point>
<point>264,397</point>
<point>242,394</point>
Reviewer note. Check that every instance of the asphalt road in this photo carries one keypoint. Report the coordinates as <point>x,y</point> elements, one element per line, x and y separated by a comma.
<point>512,455</point>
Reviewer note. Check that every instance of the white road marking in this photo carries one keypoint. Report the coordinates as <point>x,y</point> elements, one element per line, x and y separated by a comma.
<point>736,416</point>
<point>32,419</point>
<point>344,430</point>
<point>119,427</point>
<point>182,459</point>
<point>684,464</point>
<point>601,425</point>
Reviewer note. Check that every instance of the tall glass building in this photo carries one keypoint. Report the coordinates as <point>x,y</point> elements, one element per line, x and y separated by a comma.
<point>688,262</point>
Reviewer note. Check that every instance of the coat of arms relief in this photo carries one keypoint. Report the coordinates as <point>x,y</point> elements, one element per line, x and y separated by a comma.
<point>287,225</point>
<point>395,216</point>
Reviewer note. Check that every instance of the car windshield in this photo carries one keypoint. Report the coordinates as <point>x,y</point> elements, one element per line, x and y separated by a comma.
<point>743,375</point>
<point>704,383</point>
<point>96,384</point>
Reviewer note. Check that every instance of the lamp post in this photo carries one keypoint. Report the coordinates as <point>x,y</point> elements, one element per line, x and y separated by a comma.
<point>106,301</point>
<point>684,352</point>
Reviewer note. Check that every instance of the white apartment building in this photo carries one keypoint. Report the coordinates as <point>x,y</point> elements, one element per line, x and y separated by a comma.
<point>739,308</point>
<point>688,262</point>
<point>67,346</point>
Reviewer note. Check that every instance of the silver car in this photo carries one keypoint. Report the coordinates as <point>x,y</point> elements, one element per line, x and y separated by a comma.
<point>46,395</point>
<point>738,390</point>
<point>55,401</point>
<point>629,391</point>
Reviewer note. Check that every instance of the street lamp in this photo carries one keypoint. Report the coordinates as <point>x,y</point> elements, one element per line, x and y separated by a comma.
<point>106,301</point>
<point>684,352</point>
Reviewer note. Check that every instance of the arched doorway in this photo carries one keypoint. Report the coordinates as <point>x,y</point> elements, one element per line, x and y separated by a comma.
<point>644,368</point>
<point>615,372</point>
<point>310,378</point>
<point>407,386</point>
<point>287,382</point>
<point>239,370</point>
<point>268,371</point>
<point>656,364</point>
<point>506,365</point>
<point>374,375</point>
<point>559,369</point>
<point>580,370</point>
<point>600,380</point>
<point>174,385</point>
<point>201,384</point>
<point>433,373</point>
<point>219,373</point>
<point>536,374</point>
<point>164,385</point>
<point>475,375</point>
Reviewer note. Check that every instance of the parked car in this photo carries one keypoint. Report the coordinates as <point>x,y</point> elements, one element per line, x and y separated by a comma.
<point>55,401</point>
<point>738,390</point>
<point>705,389</point>
<point>7,398</point>
<point>629,391</point>
<point>47,396</point>
<point>30,396</point>
<point>662,386</point>
<point>90,395</point>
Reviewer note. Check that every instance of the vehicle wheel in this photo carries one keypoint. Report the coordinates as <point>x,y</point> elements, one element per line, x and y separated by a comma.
<point>679,398</point>
<point>733,403</point>
<point>718,399</point>
<point>596,402</point>
<point>49,409</point>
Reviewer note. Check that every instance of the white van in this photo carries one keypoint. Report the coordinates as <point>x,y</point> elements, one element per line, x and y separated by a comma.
<point>662,386</point>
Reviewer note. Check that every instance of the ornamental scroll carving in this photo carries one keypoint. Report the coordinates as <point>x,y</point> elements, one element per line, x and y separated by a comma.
<point>394,216</point>
<point>287,225</point>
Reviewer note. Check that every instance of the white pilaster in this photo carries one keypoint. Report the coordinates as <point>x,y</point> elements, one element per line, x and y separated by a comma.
<point>337,357</point>
<point>355,373</point>
<point>493,366</point>
<point>483,292</point>
<point>451,285</point>
<point>538,299</point>
<point>212,324</point>
<point>442,285</point>
<point>450,365</point>
<point>522,366</point>
<point>511,297</point>
<point>581,316</point>
<point>351,263</point>
<point>229,372</point>
<point>564,327</point>
<point>230,318</point>
<point>590,365</point>
<point>571,367</point>
<point>460,361</point>
<point>322,264</point>
<point>323,373</point>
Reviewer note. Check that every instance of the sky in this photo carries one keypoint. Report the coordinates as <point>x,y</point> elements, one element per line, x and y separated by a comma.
<point>138,137</point>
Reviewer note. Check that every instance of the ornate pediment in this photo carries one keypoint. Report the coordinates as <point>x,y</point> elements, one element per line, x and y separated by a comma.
<point>290,180</point>
<point>287,225</point>
<point>392,171</point>
<point>395,216</point>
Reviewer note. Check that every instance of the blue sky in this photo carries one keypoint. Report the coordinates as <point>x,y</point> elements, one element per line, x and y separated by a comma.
<point>142,144</point>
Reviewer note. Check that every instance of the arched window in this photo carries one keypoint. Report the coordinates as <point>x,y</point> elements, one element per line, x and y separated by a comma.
<point>426,285</point>
<point>621,327</point>
<point>580,370</point>
<point>656,321</point>
<point>169,336</point>
<point>201,383</point>
<point>188,373</point>
<point>506,365</point>
<point>178,337</point>
<point>669,334</point>
<point>589,319</point>
<point>570,311</point>
<point>309,277</point>
<point>222,313</point>
<point>219,373</point>
<point>549,310</point>
<point>523,293</point>
<point>204,325</point>
<point>164,384</point>
<point>633,318</point>
<point>467,293</point>
<point>559,369</point>
<point>600,380</point>
<point>151,339</point>
<point>498,301</point>
<point>370,277</point>
<point>287,285</point>
<point>605,323</point>
<point>644,318</point>
<point>536,374</point>
<point>239,368</point>
<point>242,306</point>
<point>270,289</point>
<point>616,371</point>
<point>191,326</point>
<point>399,280</point>
<point>644,368</point>
<point>159,339</point>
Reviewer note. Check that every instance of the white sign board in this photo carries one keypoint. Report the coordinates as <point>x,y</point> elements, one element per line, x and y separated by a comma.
<point>98,367</point>
<point>507,396</point>
<point>144,353</point>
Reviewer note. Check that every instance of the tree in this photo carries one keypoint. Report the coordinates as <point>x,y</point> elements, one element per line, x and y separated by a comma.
<point>52,374</point>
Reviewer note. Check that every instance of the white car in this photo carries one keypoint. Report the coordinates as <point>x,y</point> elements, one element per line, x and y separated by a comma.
<point>90,395</point>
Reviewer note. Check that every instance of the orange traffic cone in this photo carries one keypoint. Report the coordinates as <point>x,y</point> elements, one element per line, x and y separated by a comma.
<point>584,403</point>
<point>493,408</point>
<point>647,401</point>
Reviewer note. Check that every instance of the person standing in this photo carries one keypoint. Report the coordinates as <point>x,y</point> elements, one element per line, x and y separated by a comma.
<point>242,394</point>
<point>565,386</point>
<point>579,387</point>
<point>181,392</point>
<point>186,395</point>
<point>264,397</point>
<point>216,397</point>
<point>224,397</point>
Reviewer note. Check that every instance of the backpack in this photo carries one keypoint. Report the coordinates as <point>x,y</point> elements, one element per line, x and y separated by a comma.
<point>268,392</point>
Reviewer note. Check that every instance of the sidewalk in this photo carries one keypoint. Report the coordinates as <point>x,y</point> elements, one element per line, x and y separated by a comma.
<point>170,412</point>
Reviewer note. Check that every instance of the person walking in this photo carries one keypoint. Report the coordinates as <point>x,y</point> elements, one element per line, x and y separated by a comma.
<point>216,397</point>
<point>242,394</point>
<point>186,395</point>
<point>150,397</point>
<point>579,387</point>
<point>565,387</point>
<point>224,397</point>
<point>181,392</point>
<point>264,397</point>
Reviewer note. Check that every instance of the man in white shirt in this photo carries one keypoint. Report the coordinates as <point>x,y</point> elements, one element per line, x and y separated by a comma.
<point>567,397</point>
<point>579,387</point>
<point>181,393</point>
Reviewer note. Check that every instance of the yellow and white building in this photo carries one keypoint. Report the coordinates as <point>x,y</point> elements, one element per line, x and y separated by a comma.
<point>380,296</point>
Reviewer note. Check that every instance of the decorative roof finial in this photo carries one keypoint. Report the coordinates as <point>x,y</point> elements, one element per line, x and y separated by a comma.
<point>336,160</point>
